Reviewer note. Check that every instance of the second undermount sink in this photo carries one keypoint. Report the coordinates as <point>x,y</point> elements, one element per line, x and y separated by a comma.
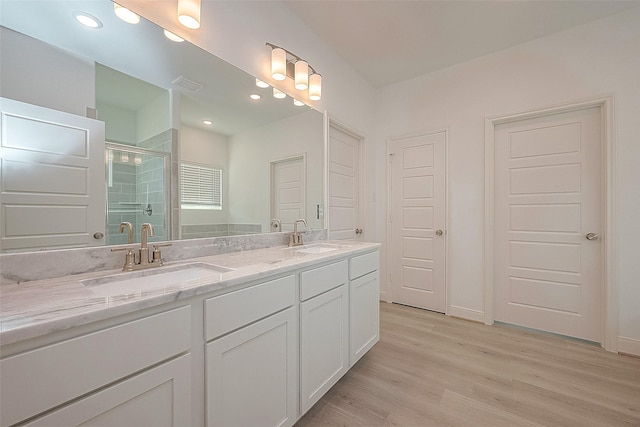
<point>154,279</point>
<point>318,248</point>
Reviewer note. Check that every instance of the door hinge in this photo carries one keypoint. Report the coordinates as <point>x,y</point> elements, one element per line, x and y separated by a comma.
<point>391,155</point>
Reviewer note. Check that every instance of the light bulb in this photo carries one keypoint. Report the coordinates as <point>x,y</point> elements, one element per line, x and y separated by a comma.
<point>137,160</point>
<point>278,64</point>
<point>125,14</point>
<point>173,37</point>
<point>302,75</point>
<point>124,157</point>
<point>315,87</point>
<point>189,13</point>
<point>261,84</point>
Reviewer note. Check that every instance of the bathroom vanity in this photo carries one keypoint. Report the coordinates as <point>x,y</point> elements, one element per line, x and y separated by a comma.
<point>250,338</point>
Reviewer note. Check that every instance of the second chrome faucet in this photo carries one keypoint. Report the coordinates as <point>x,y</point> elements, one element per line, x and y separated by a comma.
<point>143,261</point>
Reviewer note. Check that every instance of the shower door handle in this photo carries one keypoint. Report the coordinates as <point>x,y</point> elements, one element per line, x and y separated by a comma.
<point>98,235</point>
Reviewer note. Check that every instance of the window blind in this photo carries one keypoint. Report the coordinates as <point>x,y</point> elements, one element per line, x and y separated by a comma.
<point>200,186</point>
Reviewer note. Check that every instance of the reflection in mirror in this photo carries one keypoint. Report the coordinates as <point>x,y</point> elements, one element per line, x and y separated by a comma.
<point>255,160</point>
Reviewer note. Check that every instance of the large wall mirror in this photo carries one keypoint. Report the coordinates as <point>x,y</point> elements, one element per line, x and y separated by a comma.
<point>185,148</point>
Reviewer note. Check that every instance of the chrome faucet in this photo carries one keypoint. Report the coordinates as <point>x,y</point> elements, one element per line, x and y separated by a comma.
<point>144,250</point>
<point>295,238</point>
<point>143,262</point>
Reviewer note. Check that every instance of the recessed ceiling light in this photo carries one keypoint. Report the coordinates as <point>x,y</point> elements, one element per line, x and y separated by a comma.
<point>255,96</point>
<point>278,94</point>
<point>125,14</point>
<point>261,84</point>
<point>87,20</point>
<point>207,122</point>
<point>298,103</point>
<point>168,34</point>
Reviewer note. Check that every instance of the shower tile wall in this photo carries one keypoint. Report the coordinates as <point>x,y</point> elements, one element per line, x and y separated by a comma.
<point>150,191</point>
<point>121,197</point>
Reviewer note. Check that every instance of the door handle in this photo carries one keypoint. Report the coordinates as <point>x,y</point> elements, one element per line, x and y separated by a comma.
<point>439,233</point>
<point>98,235</point>
<point>591,236</point>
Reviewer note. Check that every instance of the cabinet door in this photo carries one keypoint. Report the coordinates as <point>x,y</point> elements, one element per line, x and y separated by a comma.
<point>324,344</point>
<point>252,374</point>
<point>158,397</point>
<point>364,315</point>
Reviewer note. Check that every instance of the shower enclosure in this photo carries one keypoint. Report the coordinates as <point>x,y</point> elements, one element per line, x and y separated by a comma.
<point>138,183</point>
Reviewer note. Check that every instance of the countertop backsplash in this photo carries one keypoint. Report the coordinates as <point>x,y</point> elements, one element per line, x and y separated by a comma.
<point>28,266</point>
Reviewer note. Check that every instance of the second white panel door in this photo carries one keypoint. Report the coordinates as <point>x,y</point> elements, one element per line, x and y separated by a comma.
<point>288,191</point>
<point>417,197</point>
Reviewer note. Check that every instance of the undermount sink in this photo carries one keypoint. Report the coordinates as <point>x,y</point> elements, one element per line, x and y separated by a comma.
<point>318,249</point>
<point>154,279</point>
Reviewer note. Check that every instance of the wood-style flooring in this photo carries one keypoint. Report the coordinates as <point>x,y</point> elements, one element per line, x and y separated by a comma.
<point>432,370</point>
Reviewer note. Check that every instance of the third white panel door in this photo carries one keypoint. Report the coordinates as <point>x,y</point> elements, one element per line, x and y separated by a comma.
<point>344,162</point>
<point>417,197</point>
<point>547,199</point>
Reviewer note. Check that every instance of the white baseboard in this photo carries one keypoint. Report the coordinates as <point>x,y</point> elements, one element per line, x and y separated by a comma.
<point>629,346</point>
<point>466,313</point>
<point>384,296</point>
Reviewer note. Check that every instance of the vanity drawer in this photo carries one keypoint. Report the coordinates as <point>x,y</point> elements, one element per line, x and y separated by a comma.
<point>228,312</point>
<point>363,264</point>
<point>60,372</point>
<point>322,279</point>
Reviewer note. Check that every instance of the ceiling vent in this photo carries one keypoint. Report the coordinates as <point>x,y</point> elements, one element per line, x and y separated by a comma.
<point>185,83</point>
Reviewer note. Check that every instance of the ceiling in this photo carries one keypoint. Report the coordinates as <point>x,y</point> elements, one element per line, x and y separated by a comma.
<point>394,40</point>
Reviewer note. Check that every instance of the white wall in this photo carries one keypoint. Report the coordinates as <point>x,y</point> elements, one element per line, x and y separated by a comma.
<point>211,149</point>
<point>250,157</point>
<point>601,58</point>
<point>121,123</point>
<point>38,73</point>
<point>154,117</point>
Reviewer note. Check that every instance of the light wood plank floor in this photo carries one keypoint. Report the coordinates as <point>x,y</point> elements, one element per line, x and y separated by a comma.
<point>432,370</point>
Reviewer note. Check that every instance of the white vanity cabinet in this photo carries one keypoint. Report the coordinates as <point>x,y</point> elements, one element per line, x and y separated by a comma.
<point>324,330</point>
<point>251,362</point>
<point>105,376</point>
<point>364,304</point>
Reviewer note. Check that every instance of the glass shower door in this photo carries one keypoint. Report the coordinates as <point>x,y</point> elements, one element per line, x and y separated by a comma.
<point>137,192</point>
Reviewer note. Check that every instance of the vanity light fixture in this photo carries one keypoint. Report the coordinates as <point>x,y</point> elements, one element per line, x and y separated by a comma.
<point>168,34</point>
<point>261,84</point>
<point>278,94</point>
<point>189,13</point>
<point>255,96</point>
<point>125,14</point>
<point>124,157</point>
<point>287,64</point>
<point>87,20</point>
<point>137,160</point>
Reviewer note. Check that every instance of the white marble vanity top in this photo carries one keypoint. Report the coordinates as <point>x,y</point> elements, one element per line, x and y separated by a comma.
<point>39,307</point>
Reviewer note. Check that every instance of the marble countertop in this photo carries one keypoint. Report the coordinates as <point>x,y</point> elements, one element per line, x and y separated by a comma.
<point>40,307</point>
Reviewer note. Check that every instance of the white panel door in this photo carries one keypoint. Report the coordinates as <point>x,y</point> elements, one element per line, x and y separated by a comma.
<point>547,199</point>
<point>417,197</point>
<point>344,170</point>
<point>52,178</point>
<point>288,191</point>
